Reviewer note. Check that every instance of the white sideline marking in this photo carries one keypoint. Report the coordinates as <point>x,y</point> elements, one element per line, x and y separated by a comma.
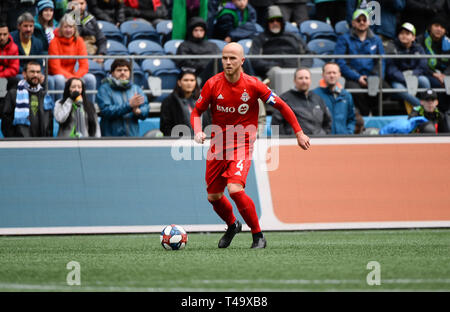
<point>400,281</point>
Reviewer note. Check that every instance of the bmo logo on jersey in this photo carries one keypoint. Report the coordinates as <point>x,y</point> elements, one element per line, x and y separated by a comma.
<point>242,109</point>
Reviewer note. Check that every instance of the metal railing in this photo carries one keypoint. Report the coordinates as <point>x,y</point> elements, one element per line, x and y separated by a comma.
<point>217,57</point>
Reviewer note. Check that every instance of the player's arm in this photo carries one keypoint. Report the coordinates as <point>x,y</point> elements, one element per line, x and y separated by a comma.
<point>289,116</point>
<point>200,106</point>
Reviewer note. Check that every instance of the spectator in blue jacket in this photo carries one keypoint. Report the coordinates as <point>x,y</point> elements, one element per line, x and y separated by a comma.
<point>360,40</point>
<point>121,102</point>
<point>338,100</point>
<point>395,68</point>
<point>235,21</point>
<point>384,21</point>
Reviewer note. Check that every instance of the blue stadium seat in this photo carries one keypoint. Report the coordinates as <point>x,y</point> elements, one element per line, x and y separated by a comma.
<point>116,48</point>
<point>111,31</point>
<point>165,69</point>
<point>164,27</point>
<point>259,28</point>
<point>145,47</point>
<point>220,43</point>
<point>97,70</point>
<point>171,46</point>
<point>246,44</point>
<point>341,27</point>
<point>139,29</point>
<point>290,28</point>
<point>313,29</point>
<point>318,63</point>
<point>322,46</point>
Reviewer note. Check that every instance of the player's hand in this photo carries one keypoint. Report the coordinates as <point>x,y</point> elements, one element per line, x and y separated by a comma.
<point>303,140</point>
<point>200,137</point>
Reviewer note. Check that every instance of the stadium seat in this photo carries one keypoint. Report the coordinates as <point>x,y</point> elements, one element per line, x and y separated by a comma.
<point>171,46</point>
<point>259,28</point>
<point>139,29</point>
<point>220,43</point>
<point>145,47</point>
<point>116,48</point>
<point>111,31</point>
<point>164,27</point>
<point>322,46</point>
<point>317,63</point>
<point>313,29</point>
<point>165,69</point>
<point>289,27</point>
<point>341,27</point>
<point>246,44</point>
<point>97,70</point>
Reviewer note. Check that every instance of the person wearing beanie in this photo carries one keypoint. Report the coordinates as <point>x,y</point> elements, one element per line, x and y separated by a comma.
<point>435,42</point>
<point>420,12</point>
<point>274,40</point>
<point>45,23</point>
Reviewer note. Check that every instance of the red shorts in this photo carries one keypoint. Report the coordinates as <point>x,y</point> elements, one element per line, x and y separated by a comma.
<point>221,172</point>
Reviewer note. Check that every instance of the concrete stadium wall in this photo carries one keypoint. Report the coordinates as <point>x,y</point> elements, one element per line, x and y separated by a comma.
<point>139,186</point>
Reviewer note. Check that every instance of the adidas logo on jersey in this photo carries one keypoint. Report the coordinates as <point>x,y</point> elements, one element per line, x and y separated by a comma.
<point>238,173</point>
<point>220,97</point>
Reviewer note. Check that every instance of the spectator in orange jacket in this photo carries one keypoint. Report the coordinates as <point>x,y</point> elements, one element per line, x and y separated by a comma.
<point>67,41</point>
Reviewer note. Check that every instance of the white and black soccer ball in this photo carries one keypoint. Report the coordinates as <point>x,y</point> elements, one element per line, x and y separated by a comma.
<point>173,237</point>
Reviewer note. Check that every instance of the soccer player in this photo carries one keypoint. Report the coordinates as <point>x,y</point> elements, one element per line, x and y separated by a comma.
<point>232,97</point>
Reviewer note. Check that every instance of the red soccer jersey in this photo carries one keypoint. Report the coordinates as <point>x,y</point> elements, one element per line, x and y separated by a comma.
<point>235,110</point>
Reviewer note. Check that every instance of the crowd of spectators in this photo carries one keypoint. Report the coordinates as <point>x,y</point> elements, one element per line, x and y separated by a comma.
<point>64,27</point>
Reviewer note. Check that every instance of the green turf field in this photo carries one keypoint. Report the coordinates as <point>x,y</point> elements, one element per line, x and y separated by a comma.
<point>409,260</point>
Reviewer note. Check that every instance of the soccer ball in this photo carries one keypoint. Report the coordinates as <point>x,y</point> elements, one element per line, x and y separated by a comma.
<point>173,237</point>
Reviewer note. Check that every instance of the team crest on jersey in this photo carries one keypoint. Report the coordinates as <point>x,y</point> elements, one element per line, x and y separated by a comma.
<point>245,97</point>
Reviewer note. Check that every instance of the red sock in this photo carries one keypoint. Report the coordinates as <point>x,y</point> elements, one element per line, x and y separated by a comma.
<point>224,209</point>
<point>247,210</point>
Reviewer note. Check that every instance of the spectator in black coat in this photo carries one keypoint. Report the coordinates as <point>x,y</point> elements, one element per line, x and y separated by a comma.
<point>419,12</point>
<point>91,33</point>
<point>309,108</point>
<point>275,40</point>
<point>177,107</point>
<point>197,44</point>
<point>112,11</point>
<point>428,109</point>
